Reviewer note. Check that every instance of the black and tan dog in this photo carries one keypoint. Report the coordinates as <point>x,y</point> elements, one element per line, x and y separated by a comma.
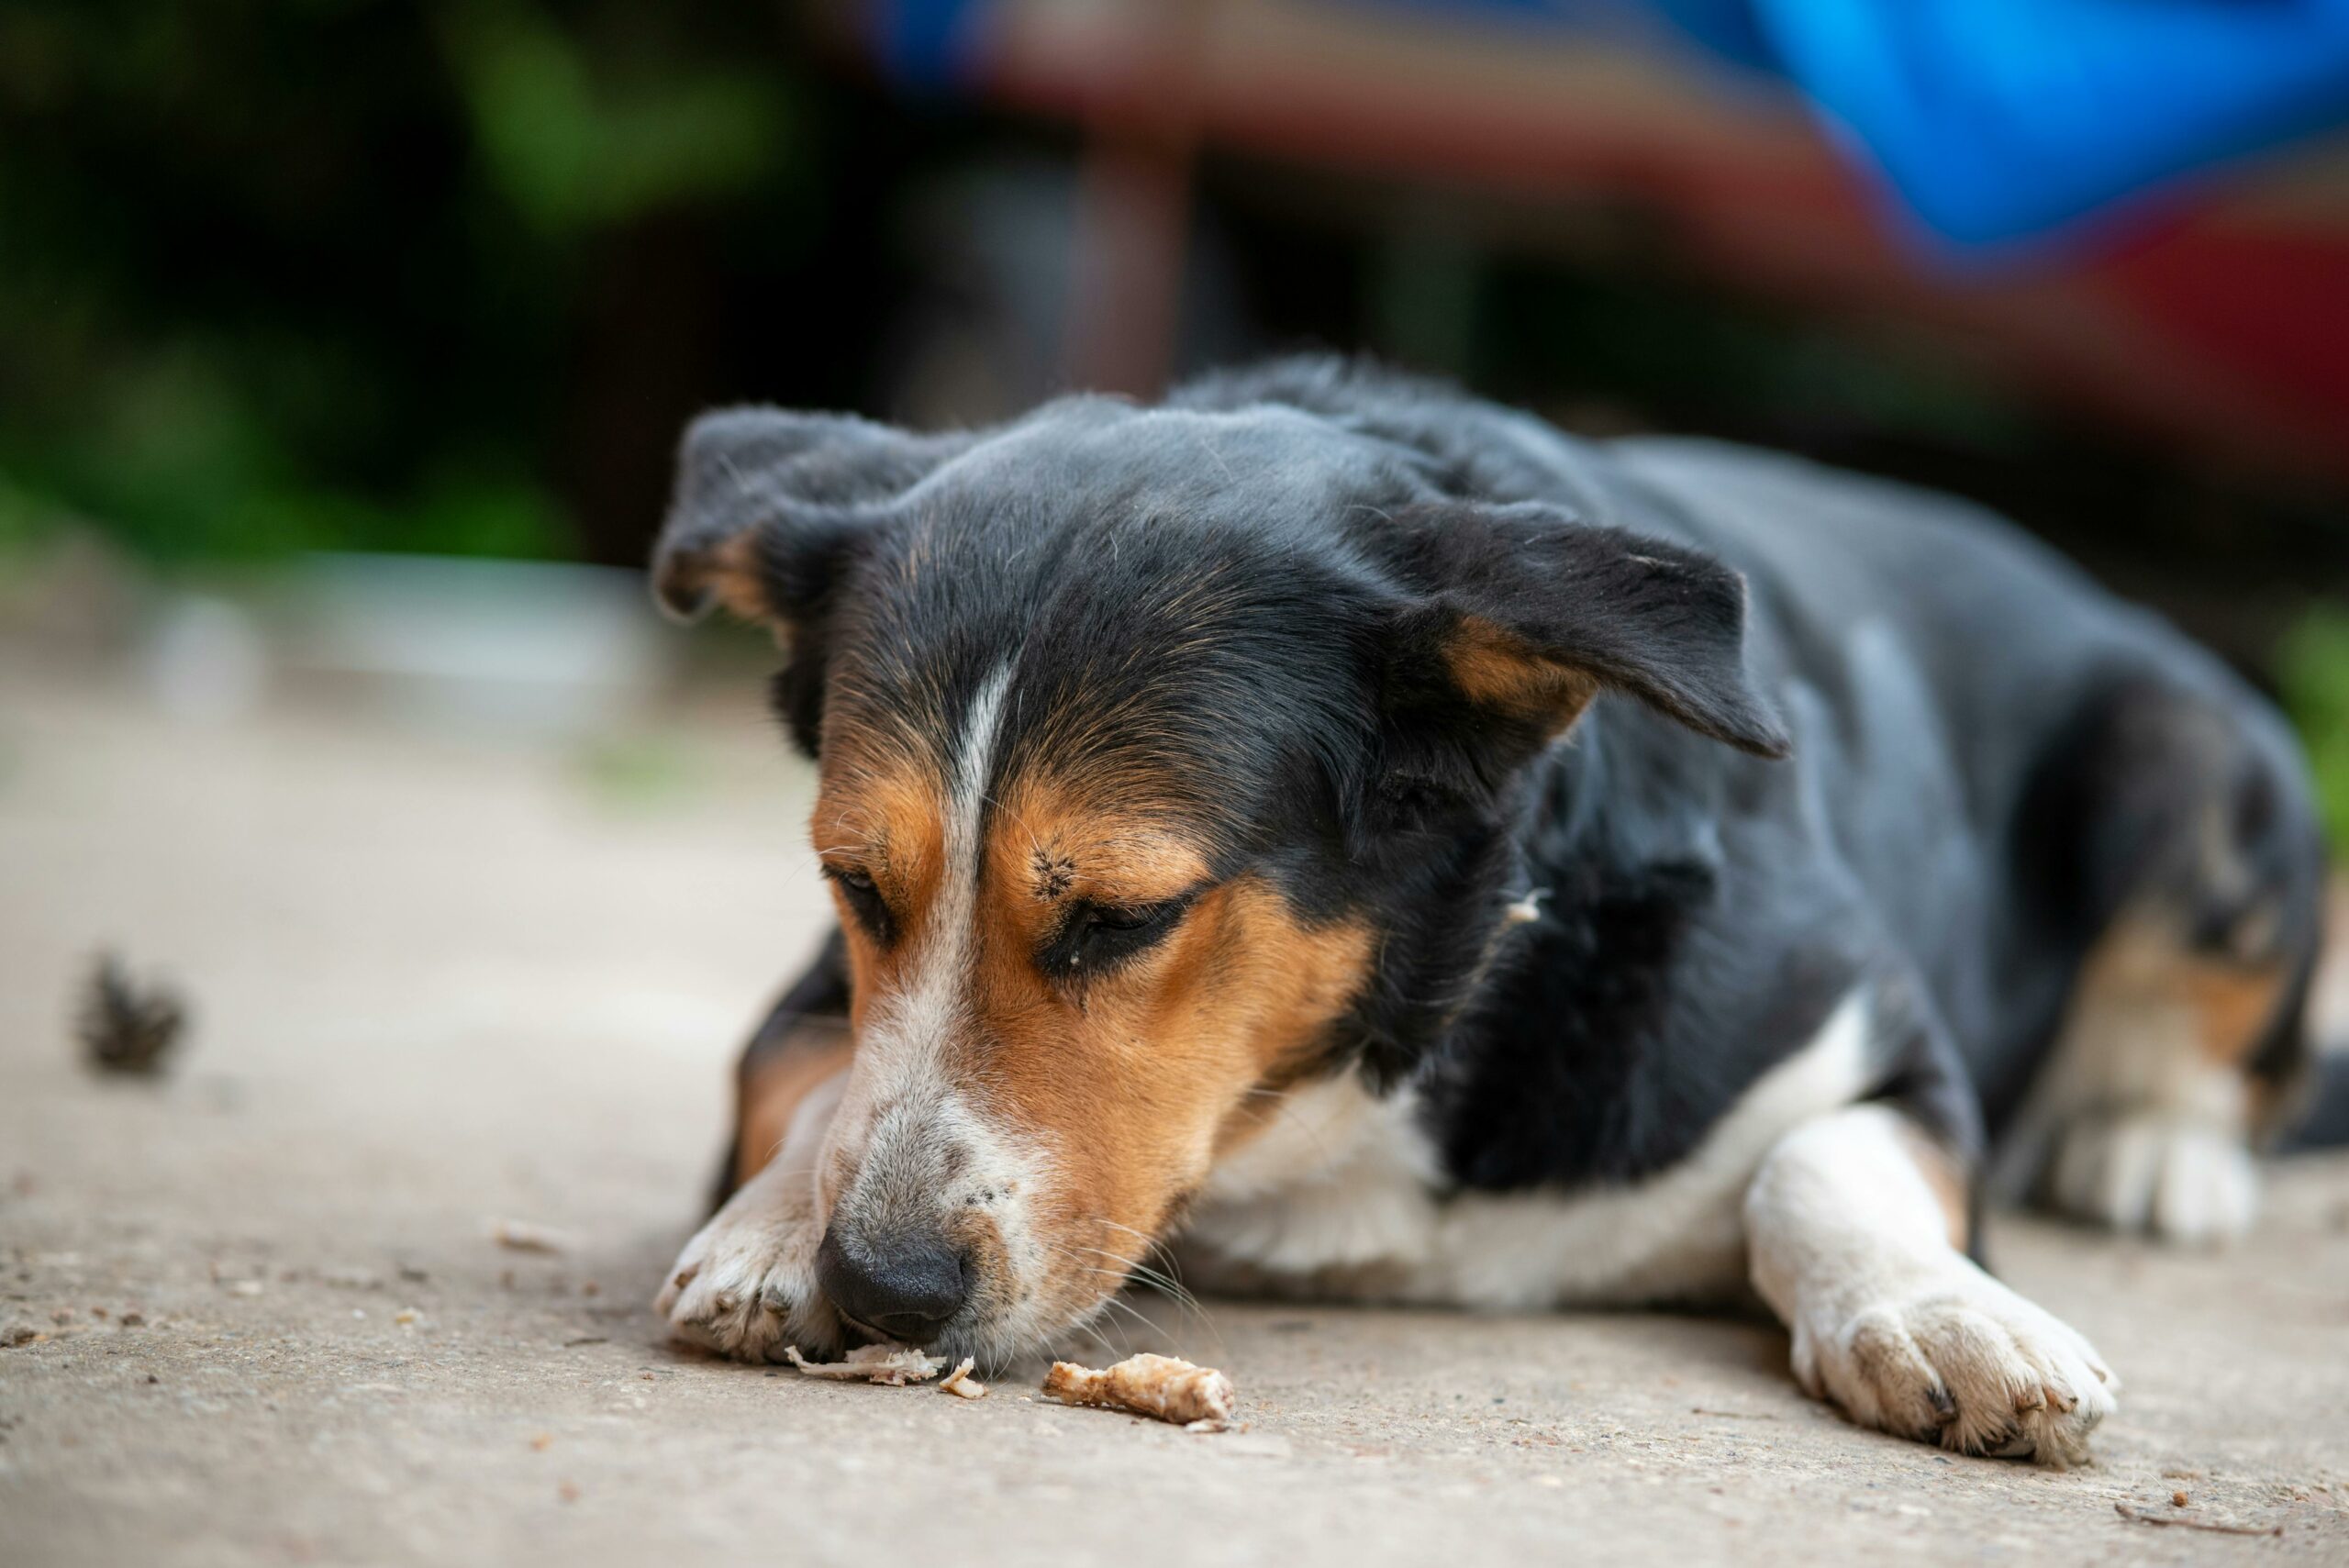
<point>1410,855</point>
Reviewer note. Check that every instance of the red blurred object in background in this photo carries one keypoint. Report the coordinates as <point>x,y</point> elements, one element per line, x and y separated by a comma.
<point>2215,314</point>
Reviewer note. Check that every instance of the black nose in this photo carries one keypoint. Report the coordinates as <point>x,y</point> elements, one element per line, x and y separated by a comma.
<point>906,1288</point>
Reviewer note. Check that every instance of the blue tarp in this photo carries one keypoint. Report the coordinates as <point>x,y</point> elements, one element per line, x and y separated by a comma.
<point>1990,120</point>
<point>1995,120</point>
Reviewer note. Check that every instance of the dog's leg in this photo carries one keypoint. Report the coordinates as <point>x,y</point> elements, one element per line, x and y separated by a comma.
<point>2174,835</point>
<point>2153,1091</point>
<point>803,1041</point>
<point>1855,1224</point>
<point>745,1285</point>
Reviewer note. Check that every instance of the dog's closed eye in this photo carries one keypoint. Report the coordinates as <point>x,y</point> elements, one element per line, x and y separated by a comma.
<point>865,900</point>
<point>1096,937</point>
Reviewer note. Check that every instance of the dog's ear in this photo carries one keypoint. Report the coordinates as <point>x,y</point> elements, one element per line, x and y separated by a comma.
<point>1519,616</point>
<point>771,509</point>
<point>768,500</point>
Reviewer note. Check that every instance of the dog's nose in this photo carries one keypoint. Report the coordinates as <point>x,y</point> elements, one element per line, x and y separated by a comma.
<point>906,1288</point>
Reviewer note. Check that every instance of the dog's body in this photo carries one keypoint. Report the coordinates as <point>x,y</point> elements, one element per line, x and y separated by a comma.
<point>1415,855</point>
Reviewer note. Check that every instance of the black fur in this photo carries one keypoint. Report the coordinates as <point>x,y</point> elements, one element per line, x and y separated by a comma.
<point>1253,592</point>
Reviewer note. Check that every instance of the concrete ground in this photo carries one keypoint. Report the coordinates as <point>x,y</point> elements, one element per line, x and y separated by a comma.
<point>443,982</point>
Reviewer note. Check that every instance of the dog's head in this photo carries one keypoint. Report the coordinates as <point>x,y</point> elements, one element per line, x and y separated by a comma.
<point>1166,762</point>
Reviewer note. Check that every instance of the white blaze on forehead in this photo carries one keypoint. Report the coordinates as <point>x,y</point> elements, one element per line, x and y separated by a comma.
<point>915,1023</point>
<point>944,961</point>
<point>898,1096</point>
<point>974,761</point>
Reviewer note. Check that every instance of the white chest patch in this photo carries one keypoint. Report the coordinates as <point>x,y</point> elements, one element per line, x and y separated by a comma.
<point>1342,1197</point>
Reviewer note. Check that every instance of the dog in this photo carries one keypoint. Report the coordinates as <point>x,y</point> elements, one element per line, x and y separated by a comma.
<point>1394,850</point>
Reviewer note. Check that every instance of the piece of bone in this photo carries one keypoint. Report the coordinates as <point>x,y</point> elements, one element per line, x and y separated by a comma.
<point>961,1385</point>
<point>895,1366</point>
<point>1161,1387</point>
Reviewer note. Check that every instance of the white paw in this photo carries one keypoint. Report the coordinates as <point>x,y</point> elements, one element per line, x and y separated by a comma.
<point>2177,1175</point>
<point>1949,1355</point>
<point>745,1285</point>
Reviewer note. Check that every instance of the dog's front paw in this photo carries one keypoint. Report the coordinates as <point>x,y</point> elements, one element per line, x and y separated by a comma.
<point>745,1285</point>
<point>1956,1358</point>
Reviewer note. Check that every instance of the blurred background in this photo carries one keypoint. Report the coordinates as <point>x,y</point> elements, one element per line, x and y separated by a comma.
<point>343,347</point>
<point>343,341</point>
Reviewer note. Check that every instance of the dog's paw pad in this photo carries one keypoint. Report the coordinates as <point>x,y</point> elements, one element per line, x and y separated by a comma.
<point>744,1288</point>
<point>2178,1177</point>
<point>1971,1367</point>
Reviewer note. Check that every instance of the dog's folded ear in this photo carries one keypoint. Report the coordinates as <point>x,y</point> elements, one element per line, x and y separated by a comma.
<point>1519,615</point>
<point>771,510</point>
<point>767,501</point>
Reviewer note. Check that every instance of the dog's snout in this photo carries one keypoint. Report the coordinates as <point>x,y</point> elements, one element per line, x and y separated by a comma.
<point>906,1288</point>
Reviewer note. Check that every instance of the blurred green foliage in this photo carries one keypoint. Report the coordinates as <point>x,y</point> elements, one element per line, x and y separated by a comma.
<point>571,152</point>
<point>306,273</point>
<point>2312,672</point>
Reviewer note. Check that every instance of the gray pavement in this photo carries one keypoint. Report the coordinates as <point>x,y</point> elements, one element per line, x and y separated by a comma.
<point>445,981</point>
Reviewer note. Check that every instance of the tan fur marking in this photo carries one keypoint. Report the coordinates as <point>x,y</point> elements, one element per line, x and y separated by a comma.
<point>1496,668</point>
<point>885,818</point>
<point>2230,1002</point>
<point>731,574</point>
<point>2236,1005</point>
<point>769,1093</point>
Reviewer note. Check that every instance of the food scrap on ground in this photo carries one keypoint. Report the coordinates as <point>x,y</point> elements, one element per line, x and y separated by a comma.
<point>519,1236</point>
<point>895,1366</point>
<point>961,1385</point>
<point>1165,1388</point>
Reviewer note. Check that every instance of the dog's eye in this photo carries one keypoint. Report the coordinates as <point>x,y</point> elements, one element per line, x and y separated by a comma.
<point>1098,935</point>
<point>865,900</point>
